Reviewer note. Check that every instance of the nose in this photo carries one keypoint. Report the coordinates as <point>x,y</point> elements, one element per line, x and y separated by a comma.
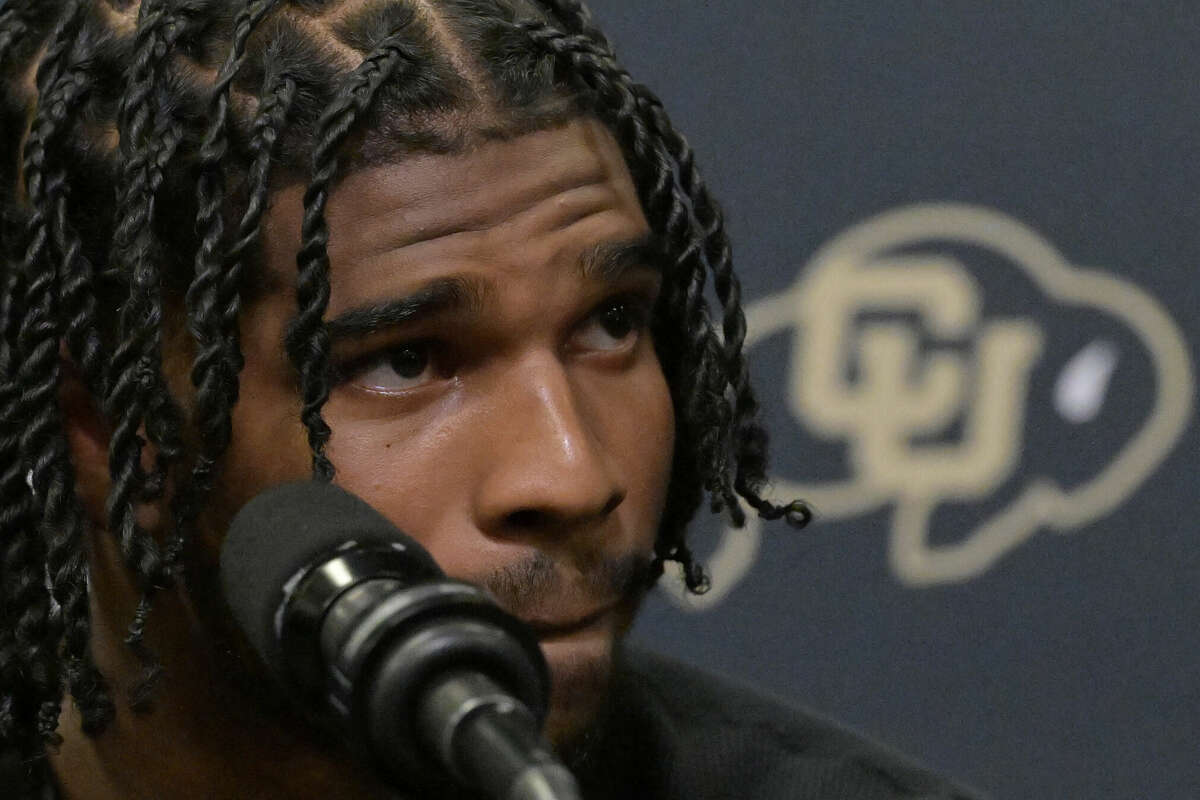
<point>549,471</point>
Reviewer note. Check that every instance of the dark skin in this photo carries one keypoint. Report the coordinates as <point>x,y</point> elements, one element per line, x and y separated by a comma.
<point>499,398</point>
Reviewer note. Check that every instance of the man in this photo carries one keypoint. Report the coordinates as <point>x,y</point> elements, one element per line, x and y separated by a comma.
<point>445,254</point>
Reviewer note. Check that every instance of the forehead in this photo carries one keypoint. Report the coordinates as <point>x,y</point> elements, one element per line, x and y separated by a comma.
<point>431,207</point>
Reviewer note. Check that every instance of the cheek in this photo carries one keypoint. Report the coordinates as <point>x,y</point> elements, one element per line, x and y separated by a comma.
<point>269,447</point>
<point>400,470</point>
<point>654,420</point>
<point>269,444</point>
<point>661,414</point>
<point>636,422</point>
<point>418,470</point>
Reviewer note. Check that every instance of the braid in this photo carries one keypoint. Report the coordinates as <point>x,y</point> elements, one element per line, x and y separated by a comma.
<point>750,437</point>
<point>163,418</point>
<point>307,339</point>
<point>214,374</point>
<point>12,28</point>
<point>276,106</point>
<point>188,72</point>
<point>23,23</point>
<point>597,76</point>
<point>63,518</point>
<point>732,444</point>
<point>26,665</point>
<point>128,383</point>
<point>150,135</point>
<point>41,443</point>
<point>13,513</point>
<point>577,19</point>
<point>78,299</point>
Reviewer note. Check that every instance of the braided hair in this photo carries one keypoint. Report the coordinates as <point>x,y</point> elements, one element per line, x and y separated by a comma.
<point>184,115</point>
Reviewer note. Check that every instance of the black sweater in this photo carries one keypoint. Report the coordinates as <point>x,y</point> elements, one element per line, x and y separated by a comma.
<point>676,733</point>
<point>672,732</point>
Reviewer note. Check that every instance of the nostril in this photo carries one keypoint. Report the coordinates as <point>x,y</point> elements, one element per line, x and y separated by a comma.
<point>527,518</point>
<point>532,518</point>
<point>613,502</point>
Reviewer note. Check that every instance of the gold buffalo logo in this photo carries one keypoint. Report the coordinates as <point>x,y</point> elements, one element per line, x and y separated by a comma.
<point>976,377</point>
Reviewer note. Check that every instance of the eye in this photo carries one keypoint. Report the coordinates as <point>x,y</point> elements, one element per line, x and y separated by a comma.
<point>397,369</point>
<point>615,325</point>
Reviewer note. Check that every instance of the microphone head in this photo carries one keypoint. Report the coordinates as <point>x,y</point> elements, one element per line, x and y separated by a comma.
<point>284,532</point>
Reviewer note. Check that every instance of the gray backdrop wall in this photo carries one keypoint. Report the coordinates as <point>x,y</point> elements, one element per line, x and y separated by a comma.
<point>969,236</point>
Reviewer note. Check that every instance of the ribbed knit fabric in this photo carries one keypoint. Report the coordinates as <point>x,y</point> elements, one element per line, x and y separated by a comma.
<point>676,733</point>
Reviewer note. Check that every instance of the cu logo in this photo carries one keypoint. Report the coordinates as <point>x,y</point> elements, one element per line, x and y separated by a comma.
<point>898,356</point>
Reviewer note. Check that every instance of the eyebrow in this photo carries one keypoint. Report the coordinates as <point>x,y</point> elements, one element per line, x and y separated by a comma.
<point>439,296</point>
<point>607,262</point>
<point>611,261</point>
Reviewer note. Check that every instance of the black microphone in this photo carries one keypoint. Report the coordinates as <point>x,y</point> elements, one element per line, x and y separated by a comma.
<point>358,622</point>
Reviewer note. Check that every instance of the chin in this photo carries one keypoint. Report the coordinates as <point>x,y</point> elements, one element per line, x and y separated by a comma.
<point>580,670</point>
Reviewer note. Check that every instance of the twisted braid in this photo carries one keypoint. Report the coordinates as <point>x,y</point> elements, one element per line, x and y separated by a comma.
<point>596,75</point>
<point>41,442</point>
<point>163,418</point>
<point>26,667</point>
<point>14,510</point>
<point>749,437</point>
<point>53,282</point>
<point>679,204</point>
<point>214,374</point>
<point>63,519</point>
<point>307,339</point>
<point>22,25</point>
<point>128,382</point>
<point>53,270</point>
<point>149,137</point>
<point>577,18</point>
<point>278,100</point>
<point>78,299</point>
<point>12,28</point>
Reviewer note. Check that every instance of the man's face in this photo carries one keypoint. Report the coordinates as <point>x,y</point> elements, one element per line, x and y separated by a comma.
<point>497,394</point>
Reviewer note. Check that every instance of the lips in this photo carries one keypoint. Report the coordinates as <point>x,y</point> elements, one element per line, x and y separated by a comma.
<point>560,625</point>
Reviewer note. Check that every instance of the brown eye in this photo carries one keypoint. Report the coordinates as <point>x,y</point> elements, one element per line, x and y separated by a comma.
<point>398,369</point>
<point>613,326</point>
<point>409,362</point>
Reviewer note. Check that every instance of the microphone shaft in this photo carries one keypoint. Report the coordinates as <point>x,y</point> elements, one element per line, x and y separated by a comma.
<point>491,740</point>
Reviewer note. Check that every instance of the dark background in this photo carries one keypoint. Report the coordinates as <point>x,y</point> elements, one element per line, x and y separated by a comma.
<point>1068,669</point>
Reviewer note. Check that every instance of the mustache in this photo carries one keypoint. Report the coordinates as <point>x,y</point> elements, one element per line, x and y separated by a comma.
<point>530,583</point>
